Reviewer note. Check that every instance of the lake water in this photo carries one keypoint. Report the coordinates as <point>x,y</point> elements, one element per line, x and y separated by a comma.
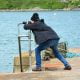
<point>65,23</point>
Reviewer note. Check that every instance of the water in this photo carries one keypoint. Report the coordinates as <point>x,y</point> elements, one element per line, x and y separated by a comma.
<point>65,23</point>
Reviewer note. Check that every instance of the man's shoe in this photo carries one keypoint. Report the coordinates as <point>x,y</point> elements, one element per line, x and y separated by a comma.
<point>37,69</point>
<point>67,68</point>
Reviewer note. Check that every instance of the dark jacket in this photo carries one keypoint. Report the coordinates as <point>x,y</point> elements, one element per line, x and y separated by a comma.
<point>41,31</point>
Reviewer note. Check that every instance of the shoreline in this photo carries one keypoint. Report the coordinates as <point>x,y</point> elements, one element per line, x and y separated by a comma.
<point>38,9</point>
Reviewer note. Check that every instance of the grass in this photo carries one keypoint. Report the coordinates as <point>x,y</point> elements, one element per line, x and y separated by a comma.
<point>28,4</point>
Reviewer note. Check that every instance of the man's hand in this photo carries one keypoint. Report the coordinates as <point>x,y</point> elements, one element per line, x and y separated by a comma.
<point>29,22</point>
<point>24,22</point>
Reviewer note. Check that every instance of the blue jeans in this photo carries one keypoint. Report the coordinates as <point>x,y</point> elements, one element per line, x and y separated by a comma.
<point>53,45</point>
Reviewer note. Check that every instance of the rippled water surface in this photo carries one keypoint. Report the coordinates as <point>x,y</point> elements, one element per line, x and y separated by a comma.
<point>65,23</point>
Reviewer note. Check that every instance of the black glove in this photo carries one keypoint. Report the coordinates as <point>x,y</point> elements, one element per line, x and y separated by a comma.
<point>24,22</point>
<point>29,22</point>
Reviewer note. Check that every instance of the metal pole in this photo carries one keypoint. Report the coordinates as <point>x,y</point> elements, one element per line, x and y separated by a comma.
<point>29,45</point>
<point>19,29</point>
<point>20,53</point>
<point>19,44</point>
<point>30,61</point>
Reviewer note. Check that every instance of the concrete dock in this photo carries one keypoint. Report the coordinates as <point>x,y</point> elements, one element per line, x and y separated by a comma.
<point>54,71</point>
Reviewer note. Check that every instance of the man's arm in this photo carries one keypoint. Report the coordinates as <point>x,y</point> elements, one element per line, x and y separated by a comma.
<point>33,26</point>
<point>29,26</point>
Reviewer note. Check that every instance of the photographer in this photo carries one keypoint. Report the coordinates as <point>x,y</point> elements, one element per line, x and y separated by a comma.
<point>45,37</point>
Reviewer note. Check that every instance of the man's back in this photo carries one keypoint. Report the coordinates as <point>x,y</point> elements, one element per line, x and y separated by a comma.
<point>41,31</point>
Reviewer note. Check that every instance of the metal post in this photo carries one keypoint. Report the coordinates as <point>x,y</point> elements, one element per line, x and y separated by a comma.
<point>29,45</point>
<point>30,61</point>
<point>19,44</point>
<point>20,53</point>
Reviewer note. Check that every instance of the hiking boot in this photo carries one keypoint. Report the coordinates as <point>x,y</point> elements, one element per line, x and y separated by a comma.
<point>37,69</point>
<point>67,68</point>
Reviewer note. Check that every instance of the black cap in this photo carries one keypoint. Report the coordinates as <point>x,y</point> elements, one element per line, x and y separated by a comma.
<point>35,17</point>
